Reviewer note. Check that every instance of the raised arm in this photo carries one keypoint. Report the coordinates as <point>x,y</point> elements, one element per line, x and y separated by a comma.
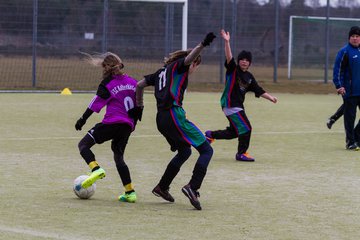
<point>195,52</point>
<point>226,37</point>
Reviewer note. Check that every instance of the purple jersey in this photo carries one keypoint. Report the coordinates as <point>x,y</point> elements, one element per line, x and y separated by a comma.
<point>118,95</point>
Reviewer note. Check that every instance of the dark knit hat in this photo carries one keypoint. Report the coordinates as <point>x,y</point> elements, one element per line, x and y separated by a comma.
<point>354,30</point>
<point>244,55</point>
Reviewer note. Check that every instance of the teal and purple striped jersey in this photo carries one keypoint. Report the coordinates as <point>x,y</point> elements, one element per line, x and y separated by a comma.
<point>237,84</point>
<point>118,95</point>
<point>170,84</point>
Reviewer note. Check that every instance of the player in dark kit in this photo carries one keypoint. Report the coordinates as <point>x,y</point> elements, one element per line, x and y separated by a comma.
<point>117,92</point>
<point>239,81</point>
<point>170,84</point>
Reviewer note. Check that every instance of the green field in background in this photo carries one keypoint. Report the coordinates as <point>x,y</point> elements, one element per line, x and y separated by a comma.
<point>303,184</point>
<point>77,74</point>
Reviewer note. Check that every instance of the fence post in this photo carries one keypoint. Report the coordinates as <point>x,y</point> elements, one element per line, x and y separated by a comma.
<point>276,52</point>
<point>234,25</point>
<point>169,28</point>
<point>105,26</point>
<point>34,41</point>
<point>327,42</point>
<point>222,54</point>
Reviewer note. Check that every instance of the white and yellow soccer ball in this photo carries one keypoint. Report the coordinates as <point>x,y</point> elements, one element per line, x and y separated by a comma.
<point>83,193</point>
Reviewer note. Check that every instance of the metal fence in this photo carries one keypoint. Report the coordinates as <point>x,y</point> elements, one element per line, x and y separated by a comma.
<point>41,40</point>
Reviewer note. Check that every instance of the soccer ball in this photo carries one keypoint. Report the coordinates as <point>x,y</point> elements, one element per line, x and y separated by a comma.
<point>83,193</point>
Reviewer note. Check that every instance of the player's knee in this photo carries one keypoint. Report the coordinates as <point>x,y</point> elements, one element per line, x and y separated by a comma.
<point>210,151</point>
<point>185,153</point>
<point>113,147</point>
<point>86,143</point>
<point>82,146</point>
<point>119,160</point>
<point>205,149</point>
<point>181,157</point>
<point>247,132</point>
<point>206,152</point>
<point>116,148</point>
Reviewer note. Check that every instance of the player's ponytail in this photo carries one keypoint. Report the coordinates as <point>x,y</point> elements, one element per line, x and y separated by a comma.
<point>110,62</point>
<point>176,55</point>
<point>112,65</point>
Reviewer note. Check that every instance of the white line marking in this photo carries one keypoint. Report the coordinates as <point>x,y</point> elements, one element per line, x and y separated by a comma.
<point>35,233</point>
<point>298,132</point>
<point>158,135</point>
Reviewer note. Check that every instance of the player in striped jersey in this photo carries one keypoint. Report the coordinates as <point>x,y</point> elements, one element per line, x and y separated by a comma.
<point>170,84</point>
<point>238,82</point>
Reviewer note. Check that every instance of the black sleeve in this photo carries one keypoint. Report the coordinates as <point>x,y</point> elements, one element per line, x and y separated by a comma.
<point>255,87</point>
<point>344,63</point>
<point>230,67</point>
<point>181,67</point>
<point>151,79</point>
<point>103,92</point>
<point>87,114</point>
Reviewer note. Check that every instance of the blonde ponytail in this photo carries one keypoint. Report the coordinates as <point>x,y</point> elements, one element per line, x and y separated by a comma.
<point>110,62</point>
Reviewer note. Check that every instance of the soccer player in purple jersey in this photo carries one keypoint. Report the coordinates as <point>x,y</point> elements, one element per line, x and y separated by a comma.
<point>117,92</point>
<point>170,84</point>
<point>238,82</point>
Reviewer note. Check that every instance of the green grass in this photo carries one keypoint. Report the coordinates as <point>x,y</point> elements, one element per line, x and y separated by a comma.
<point>303,184</point>
<point>77,74</point>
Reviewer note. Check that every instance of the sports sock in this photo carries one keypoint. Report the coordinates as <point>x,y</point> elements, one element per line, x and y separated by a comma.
<point>129,188</point>
<point>94,166</point>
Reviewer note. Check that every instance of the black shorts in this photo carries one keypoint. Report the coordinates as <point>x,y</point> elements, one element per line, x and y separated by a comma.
<point>178,130</point>
<point>119,133</point>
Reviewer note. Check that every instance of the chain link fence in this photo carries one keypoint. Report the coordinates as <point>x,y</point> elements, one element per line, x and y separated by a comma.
<point>41,41</point>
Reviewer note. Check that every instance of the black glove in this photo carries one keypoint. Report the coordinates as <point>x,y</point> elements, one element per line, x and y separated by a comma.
<point>79,124</point>
<point>208,39</point>
<point>136,113</point>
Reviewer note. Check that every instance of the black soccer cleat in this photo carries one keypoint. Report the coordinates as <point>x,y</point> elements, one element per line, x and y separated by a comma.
<point>192,195</point>
<point>163,194</point>
<point>330,122</point>
<point>353,147</point>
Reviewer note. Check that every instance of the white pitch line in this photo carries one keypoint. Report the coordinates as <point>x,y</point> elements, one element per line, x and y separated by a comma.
<point>64,138</point>
<point>298,132</point>
<point>158,135</point>
<point>36,233</point>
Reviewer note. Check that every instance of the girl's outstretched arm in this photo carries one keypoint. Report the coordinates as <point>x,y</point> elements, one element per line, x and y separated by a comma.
<point>269,97</point>
<point>196,51</point>
<point>226,37</point>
